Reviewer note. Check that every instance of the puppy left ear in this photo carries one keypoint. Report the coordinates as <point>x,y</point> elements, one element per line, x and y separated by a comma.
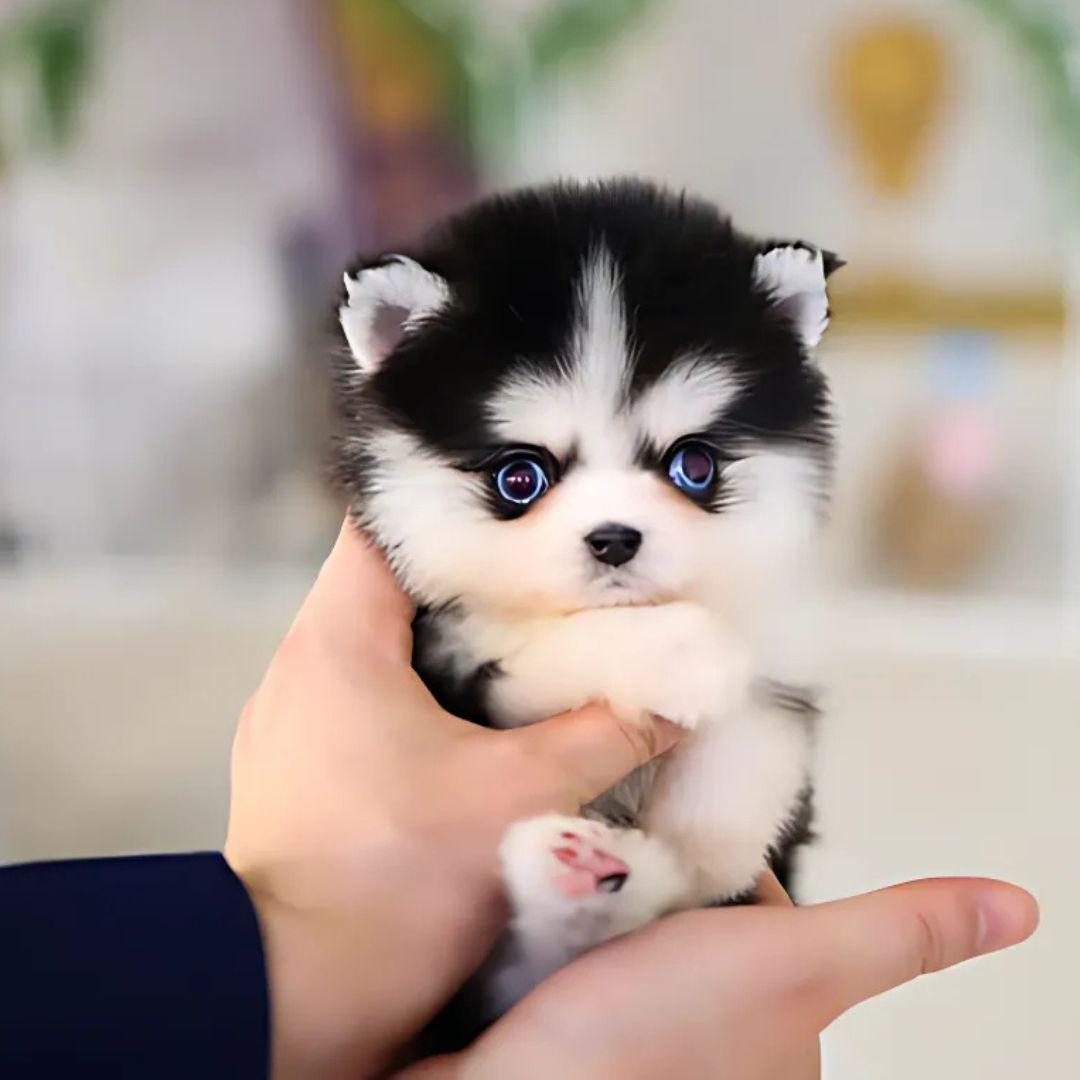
<point>384,302</point>
<point>793,276</point>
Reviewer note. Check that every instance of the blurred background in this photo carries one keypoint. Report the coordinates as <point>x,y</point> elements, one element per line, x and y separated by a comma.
<point>180,185</point>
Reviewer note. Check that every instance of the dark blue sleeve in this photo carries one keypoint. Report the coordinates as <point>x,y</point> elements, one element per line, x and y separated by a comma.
<point>149,966</point>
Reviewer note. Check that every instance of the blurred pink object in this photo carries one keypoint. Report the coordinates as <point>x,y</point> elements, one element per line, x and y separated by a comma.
<point>961,453</point>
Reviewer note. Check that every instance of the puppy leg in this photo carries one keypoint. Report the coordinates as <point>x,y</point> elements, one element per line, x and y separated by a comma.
<point>727,792</point>
<point>574,883</point>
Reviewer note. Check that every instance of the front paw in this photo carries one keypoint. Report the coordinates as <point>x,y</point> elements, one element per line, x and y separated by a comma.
<point>679,662</point>
<point>574,883</point>
<point>577,873</point>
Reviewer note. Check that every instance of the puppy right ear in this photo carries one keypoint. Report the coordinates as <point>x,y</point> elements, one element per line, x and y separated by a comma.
<point>383,303</point>
<point>793,276</point>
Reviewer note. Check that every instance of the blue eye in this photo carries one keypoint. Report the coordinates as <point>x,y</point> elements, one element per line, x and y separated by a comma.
<point>521,481</point>
<point>692,468</point>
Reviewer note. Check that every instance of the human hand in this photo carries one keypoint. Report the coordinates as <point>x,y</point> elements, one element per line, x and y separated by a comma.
<point>738,992</point>
<point>364,820</point>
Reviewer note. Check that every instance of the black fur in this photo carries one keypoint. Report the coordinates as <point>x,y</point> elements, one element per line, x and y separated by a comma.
<point>462,697</point>
<point>511,264</point>
<point>784,854</point>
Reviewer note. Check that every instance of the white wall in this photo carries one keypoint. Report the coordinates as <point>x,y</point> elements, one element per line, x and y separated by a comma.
<point>731,99</point>
<point>142,299</point>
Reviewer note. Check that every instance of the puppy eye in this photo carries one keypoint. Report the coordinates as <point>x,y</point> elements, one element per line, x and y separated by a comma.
<point>692,468</point>
<point>521,481</point>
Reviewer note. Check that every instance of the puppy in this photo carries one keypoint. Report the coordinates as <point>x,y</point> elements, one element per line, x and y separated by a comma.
<point>586,426</point>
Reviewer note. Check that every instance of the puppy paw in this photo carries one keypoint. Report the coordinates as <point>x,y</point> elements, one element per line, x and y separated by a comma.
<point>589,868</point>
<point>558,868</point>
<point>574,883</point>
<point>681,664</point>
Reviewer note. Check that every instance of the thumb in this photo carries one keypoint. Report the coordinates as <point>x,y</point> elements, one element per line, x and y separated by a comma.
<point>595,748</point>
<point>355,606</point>
<point>868,944</point>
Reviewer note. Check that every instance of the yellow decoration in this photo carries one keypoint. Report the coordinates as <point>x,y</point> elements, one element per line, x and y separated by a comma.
<point>391,77</point>
<point>890,85</point>
<point>902,303</point>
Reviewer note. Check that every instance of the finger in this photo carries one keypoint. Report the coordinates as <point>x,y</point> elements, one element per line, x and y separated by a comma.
<point>355,604</point>
<point>771,893</point>
<point>443,1067</point>
<point>596,749</point>
<point>803,1063</point>
<point>868,944</point>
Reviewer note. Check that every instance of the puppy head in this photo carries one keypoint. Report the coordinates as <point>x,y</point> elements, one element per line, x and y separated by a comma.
<point>582,396</point>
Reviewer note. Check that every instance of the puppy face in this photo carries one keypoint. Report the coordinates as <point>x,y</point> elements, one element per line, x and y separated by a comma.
<point>579,397</point>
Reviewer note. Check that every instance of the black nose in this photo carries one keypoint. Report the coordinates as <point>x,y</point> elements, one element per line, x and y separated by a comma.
<point>613,544</point>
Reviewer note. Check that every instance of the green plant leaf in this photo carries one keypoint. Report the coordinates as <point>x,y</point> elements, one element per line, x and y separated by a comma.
<point>491,75</point>
<point>1045,37</point>
<point>63,56</point>
<point>573,31</point>
<point>55,42</point>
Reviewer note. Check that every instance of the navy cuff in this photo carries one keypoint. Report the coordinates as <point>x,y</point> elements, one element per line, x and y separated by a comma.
<point>146,966</point>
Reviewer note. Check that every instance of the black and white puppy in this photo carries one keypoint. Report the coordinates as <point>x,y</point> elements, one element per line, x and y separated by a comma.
<point>586,425</point>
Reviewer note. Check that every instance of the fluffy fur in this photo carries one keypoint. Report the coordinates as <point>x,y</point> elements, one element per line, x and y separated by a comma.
<point>596,329</point>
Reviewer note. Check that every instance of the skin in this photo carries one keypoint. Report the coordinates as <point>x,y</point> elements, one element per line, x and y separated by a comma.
<point>364,823</point>
<point>364,820</point>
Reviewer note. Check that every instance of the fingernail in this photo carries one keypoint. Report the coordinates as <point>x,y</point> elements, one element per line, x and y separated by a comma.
<point>1006,916</point>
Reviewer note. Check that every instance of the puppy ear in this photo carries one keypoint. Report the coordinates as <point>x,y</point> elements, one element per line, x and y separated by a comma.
<point>383,303</point>
<point>793,276</point>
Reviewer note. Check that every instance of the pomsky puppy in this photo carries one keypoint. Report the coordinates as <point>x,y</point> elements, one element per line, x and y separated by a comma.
<point>586,425</point>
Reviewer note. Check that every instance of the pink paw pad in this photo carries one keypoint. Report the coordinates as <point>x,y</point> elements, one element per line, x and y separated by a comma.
<point>589,869</point>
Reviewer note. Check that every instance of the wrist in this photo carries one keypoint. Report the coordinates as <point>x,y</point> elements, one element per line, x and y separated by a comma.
<point>349,960</point>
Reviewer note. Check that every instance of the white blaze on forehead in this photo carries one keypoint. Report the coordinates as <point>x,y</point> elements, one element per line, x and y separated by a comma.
<point>599,349</point>
<point>582,403</point>
<point>687,398</point>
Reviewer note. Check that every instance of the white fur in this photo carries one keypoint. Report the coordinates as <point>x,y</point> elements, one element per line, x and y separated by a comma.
<point>675,660</point>
<point>723,795</point>
<point>446,545</point>
<point>685,399</point>
<point>795,278</point>
<point>403,284</point>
